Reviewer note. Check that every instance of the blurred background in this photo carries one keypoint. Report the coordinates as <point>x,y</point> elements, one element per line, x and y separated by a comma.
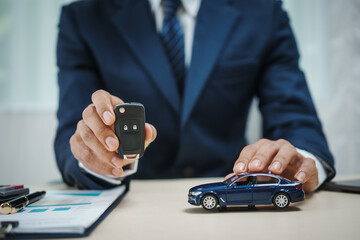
<point>328,36</point>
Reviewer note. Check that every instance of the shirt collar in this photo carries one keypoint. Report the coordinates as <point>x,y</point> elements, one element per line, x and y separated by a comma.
<point>155,5</point>
<point>191,6</point>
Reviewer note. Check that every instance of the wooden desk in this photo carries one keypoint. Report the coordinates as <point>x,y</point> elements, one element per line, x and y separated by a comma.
<point>158,209</point>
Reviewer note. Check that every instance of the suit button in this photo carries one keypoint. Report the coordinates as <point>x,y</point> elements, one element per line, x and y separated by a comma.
<point>188,172</point>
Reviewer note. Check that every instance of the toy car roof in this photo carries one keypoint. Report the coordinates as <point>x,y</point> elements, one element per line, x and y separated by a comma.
<point>257,173</point>
<point>269,173</point>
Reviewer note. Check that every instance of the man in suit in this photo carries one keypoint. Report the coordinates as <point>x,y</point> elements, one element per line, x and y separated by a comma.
<point>196,66</point>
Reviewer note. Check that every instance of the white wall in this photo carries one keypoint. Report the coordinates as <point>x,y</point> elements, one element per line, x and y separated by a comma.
<point>28,90</point>
<point>340,109</point>
<point>328,34</point>
<point>27,147</point>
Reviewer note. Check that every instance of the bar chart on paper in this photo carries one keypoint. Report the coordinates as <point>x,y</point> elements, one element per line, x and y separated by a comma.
<point>62,201</point>
<point>64,211</point>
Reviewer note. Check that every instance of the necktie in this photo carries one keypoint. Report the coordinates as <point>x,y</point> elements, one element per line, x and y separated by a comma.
<point>173,40</point>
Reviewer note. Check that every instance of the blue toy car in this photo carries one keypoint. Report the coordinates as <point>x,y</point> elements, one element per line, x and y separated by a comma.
<point>247,189</point>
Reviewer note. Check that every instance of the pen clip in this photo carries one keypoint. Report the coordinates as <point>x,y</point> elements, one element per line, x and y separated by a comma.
<point>18,209</point>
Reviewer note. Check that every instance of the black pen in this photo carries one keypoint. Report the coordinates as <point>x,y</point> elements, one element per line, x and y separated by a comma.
<point>20,203</point>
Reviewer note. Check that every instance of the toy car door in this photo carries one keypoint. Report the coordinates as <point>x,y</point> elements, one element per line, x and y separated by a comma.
<point>240,191</point>
<point>264,189</point>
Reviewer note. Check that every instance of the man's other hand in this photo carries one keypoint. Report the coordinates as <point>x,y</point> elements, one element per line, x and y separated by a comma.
<point>279,157</point>
<point>94,142</point>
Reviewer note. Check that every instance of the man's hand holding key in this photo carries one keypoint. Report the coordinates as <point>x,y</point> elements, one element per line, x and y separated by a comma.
<point>94,142</point>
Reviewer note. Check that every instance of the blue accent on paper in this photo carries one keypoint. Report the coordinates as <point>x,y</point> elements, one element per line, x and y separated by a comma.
<point>39,210</point>
<point>62,209</point>
<point>58,205</point>
<point>91,194</point>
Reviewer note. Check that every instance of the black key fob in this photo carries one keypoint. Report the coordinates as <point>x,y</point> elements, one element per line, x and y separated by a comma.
<point>130,130</point>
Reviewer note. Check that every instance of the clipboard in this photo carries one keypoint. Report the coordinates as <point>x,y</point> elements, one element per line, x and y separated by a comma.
<point>17,233</point>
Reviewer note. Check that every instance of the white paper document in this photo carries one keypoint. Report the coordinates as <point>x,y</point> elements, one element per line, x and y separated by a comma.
<point>71,211</point>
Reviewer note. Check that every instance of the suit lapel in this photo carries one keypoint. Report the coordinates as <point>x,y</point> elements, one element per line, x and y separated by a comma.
<point>214,22</point>
<point>135,22</point>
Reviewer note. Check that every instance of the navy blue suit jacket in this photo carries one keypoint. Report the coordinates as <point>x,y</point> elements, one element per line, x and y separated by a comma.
<point>242,49</point>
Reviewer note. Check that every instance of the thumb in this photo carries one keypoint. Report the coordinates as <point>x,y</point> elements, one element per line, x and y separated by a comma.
<point>150,134</point>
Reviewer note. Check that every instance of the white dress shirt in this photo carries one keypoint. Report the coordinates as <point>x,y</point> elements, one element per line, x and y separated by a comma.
<point>187,14</point>
<point>187,17</point>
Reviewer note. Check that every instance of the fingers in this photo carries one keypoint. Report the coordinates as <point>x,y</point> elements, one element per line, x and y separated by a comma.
<point>103,133</point>
<point>308,174</point>
<point>286,154</point>
<point>281,158</point>
<point>94,143</point>
<point>255,157</point>
<point>102,161</point>
<point>276,155</point>
<point>245,156</point>
<point>104,104</point>
<point>306,170</point>
<point>99,117</point>
<point>89,159</point>
<point>150,134</point>
<point>264,155</point>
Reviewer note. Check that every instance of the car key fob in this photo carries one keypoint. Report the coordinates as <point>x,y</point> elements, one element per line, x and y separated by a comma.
<point>130,130</point>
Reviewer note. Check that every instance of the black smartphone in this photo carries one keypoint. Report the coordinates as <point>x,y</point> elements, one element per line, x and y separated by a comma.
<point>8,195</point>
<point>350,186</point>
<point>130,129</point>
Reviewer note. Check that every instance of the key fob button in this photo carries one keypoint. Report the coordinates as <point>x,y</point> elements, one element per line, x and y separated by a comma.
<point>134,125</point>
<point>124,126</point>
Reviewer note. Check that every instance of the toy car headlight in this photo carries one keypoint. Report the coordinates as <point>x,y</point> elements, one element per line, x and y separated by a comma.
<point>195,193</point>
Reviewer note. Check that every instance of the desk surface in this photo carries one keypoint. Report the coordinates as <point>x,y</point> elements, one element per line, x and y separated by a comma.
<point>158,209</point>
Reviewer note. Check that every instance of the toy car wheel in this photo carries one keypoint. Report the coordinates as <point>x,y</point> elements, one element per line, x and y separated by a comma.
<point>281,200</point>
<point>209,202</point>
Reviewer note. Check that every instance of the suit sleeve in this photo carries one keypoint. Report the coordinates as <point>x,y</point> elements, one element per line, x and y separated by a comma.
<point>78,78</point>
<point>284,98</point>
